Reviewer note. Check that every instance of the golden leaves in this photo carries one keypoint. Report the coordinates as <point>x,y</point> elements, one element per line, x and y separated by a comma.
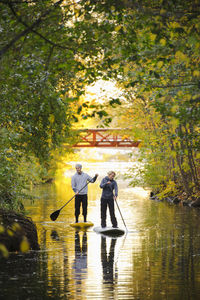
<point>115,66</point>
<point>117,28</point>
<point>174,123</point>
<point>152,37</point>
<point>10,232</point>
<point>181,57</point>
<point>1,229</point>
<point>160,64</point>
<point>51,118</point>
<point>163,42</point>
<point>16,226</point>
<point>174,25</point>
<point>4,251</point>
<point>24,246</point>
<point>196,73</point>
<point>162,11</point>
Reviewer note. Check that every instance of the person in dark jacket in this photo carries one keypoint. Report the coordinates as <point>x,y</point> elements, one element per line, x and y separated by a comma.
<point>109,194</point>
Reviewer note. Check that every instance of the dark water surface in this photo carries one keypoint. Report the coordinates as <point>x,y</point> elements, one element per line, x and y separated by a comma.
<point>158,258</point>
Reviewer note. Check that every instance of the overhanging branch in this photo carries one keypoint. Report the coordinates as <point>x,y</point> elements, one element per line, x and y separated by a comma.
<point>173,85</point>
<point>36,32</point>
<point>28,29</point>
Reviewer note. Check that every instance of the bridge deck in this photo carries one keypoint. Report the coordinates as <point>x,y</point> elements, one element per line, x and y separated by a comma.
<point>103,137</point>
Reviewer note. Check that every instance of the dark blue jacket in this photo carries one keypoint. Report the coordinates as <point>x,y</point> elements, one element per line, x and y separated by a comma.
<point>108,188</point>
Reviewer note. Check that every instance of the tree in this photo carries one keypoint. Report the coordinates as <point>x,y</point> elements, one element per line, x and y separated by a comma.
<point>159,68</point>
<point>48,52</point>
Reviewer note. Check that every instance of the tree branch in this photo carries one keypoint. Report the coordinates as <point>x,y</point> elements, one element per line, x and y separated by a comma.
<point>173,86</point>
<point>16,2</point>
<point>36,32</point>
<point>48,59</point>
<point>28,29</point>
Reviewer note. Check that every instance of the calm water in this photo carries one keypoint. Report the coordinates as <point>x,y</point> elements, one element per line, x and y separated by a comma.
<point>158,258</point>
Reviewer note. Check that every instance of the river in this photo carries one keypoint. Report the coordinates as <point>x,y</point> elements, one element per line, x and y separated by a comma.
<point>158,257</point>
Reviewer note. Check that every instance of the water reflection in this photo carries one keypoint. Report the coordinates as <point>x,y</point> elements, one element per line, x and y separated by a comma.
<point>107,260</point>
<point>54,235</point>
<point>57,269</point>
<point>79,265</point>
<point>158,260</point>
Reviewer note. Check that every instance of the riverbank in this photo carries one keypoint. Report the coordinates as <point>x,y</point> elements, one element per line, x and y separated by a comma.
<point>18,233</point>
<point>179,199</point>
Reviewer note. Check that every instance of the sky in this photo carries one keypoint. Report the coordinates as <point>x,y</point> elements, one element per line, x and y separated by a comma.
<point>102,90</point>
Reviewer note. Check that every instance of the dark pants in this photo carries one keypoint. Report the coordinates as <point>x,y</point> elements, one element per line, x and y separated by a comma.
<point>110,204</point>
<point>81,199</point>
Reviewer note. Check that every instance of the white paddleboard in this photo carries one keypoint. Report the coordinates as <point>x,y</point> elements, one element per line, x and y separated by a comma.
<point>82,225</point>
<point>110,231</point>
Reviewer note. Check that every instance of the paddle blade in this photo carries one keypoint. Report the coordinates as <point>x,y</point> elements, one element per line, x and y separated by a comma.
<point>54,215</point>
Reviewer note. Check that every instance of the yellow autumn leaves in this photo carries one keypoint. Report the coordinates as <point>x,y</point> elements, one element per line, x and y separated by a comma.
<point>10,232</point>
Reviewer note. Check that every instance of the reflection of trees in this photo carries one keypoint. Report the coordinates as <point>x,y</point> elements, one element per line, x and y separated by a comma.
<point>107,260</point>
<point>58,268</point>
<point>168,260</point>
<point>35,275</point>
<point>18,276</point>
<point>80,262</point>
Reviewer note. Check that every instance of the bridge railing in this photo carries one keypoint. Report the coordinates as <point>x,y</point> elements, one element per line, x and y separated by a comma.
<point>103,137</point>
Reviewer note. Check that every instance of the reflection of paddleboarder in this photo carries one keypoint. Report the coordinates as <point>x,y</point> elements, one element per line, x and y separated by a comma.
<point>54,235</point>
<point>79,180</point>
<point>107,260</point>
<point>80,261</point>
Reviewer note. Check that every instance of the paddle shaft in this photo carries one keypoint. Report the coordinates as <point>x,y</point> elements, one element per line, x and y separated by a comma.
<point>120,214</point>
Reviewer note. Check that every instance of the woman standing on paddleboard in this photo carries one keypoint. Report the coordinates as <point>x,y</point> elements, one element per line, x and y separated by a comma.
<point>108,184</point>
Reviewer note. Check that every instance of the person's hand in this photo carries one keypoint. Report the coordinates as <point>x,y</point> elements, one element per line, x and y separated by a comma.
<point>108,182</point>
<point>115,197</point>
<point>76,193</point>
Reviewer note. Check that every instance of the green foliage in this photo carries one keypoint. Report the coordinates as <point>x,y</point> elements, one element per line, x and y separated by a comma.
<point>10,183</point>
<point>159,68</point>
<point>49,52</point>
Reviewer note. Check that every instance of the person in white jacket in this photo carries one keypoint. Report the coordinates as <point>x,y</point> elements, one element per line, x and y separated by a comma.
<point>79,185</point>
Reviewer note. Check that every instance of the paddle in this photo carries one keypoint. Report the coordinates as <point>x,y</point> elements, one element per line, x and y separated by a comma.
<point>120,214</point>
<point>56,213</point>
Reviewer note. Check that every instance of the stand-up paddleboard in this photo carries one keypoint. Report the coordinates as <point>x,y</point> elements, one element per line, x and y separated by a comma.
<point>110,231</point>
<point>82,225</point>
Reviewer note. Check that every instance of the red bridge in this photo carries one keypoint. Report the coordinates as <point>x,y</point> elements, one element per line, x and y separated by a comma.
<point>102,137</point>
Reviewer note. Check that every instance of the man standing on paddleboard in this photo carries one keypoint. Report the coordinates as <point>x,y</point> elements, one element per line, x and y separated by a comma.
<point>108,184</point>
<point>79,185</point>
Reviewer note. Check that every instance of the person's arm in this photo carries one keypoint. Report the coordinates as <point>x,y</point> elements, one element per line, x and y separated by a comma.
<point>92,180</point>
<point>95,177</point>
<point>73,184</point>
<point>103,183</point>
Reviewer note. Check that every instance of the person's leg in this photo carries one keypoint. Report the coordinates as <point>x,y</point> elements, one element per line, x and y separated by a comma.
<point>103,212</point>
<point>84,206</point>
<point>112,212</point>
<point>77,207</point>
